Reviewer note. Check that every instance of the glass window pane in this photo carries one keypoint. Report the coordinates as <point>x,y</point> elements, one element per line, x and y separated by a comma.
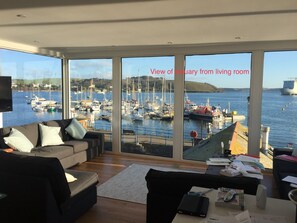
<point>36,85</point>
<point>91,95</point>
<point>279,100</point>
<point>216,106</point>
<point>147,105</point>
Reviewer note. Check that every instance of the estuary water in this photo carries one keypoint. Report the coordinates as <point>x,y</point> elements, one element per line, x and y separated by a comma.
<point>278,112</point>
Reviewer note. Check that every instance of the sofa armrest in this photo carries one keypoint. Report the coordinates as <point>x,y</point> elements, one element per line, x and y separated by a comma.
<point>34,166</point>
<point>282,151</point>
<point>282,167</point>
<point>23,153</point>
<point>99,137</point>
<point>29,199</point>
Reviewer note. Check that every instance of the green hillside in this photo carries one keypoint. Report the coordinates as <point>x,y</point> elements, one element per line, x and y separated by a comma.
<point>144,83</point>
<point>192,86</point>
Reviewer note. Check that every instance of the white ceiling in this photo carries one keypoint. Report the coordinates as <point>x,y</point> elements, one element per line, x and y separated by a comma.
<point>77,25</point>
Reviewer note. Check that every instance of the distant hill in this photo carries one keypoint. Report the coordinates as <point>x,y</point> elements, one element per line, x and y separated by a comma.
<point>192,86</point>
<point>158,83</point>
<point>142,82</point>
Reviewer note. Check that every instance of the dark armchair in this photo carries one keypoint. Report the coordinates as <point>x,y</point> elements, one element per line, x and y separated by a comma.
<point>284,164</point>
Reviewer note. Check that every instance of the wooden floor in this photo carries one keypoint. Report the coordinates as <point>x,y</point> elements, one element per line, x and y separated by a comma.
<point>115,211</point>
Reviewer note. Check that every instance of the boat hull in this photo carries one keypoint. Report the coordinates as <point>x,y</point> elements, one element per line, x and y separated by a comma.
<point>205,117</point>
<point>289,87</point>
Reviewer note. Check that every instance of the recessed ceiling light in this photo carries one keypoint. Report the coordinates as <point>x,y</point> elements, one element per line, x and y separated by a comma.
<point>21,16</point>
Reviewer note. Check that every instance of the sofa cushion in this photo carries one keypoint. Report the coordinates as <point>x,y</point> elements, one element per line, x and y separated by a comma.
<point>63,124</point>
<point>30,131</point>
<point>18,141</point>
<point>76,130</point>
<point>84,180</point>
<point>50,135</point>
<point>77,145</point>
<point>53,151</point>
<point>41,167</point>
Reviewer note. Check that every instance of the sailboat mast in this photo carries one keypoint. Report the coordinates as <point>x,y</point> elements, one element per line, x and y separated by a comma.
<point>169,93</point>
<point>165,90</point>
<point>154,93</point>
<point>133,91</point>
<point>127,89</point>
<point>163,93</point>
<point>148,88</point>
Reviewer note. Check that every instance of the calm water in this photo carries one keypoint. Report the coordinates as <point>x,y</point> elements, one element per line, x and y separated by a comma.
<point>278,112</point>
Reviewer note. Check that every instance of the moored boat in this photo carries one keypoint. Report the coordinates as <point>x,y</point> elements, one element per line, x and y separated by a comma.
<point>290,87</point>
<point>205,112</point>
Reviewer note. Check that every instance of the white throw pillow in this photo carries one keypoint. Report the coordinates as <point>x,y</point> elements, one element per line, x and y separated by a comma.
<point>70,178</point>
<point>76,130</point>
<point>50,135</point>
<point>18,141</point>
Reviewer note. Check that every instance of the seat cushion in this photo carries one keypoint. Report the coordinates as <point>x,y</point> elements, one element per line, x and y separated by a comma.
<point>84,180</point>
<point>63,124</point>
<point>50,135</point>
<point>76,130</point>
<point>53,151</point>
<point>18,141</point>
<point>31,132</point>
<point>77,145</point>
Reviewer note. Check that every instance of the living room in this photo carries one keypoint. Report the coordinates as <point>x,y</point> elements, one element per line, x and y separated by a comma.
<point>233,56</point>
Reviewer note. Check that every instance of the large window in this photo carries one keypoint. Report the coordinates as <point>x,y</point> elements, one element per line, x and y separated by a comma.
<point>36,86</point>
<point>279,118</point>
<point>216,105</point>
<point>148,105</point>
<point>91,95</point>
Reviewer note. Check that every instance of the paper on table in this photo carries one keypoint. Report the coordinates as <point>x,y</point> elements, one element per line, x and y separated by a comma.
<point>262,218</point>
<point>220,160</point>
<point>247,158</point>
<point>242,217</point>
<point>290,179</point>
<point>245,217</point>
<point>244,169</point>
<point>216,163</point>
<point>220,219</point>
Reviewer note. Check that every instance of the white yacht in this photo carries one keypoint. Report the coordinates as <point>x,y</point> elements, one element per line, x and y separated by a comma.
<point>290,87</point>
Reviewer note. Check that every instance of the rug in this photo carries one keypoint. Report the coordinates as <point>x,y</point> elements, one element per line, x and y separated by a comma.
<point>129,184</point>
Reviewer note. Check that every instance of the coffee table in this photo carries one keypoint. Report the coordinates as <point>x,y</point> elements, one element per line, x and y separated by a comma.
<point>274,207</point>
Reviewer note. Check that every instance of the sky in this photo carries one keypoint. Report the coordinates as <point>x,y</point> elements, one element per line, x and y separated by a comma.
<point>221,70</point>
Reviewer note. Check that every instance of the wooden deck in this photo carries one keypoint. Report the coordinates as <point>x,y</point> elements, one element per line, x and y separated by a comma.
<point>115,211</point>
